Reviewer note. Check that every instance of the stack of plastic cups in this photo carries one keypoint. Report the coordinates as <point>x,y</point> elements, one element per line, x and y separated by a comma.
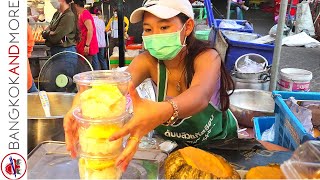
<point>101,113</point>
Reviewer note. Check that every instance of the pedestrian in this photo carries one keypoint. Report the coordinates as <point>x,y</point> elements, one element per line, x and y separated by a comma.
<point>192,106</point>
<point>100,31</point>
<point>238,6</point>
<point>31,86</point>
<point>88,45</point>
<point>62,35</point>
<point>112,29</point>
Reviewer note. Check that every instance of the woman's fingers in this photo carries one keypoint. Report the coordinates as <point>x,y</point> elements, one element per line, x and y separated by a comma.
<point>125,130</point>
<point>71,133</point>
<point>67,125</point>
<point>128,153</point>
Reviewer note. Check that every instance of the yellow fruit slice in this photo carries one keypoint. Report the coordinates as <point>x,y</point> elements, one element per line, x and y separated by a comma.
<point>96,164</point>
<point>101,131</point>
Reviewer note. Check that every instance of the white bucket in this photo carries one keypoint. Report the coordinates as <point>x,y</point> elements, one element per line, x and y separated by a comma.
<point>293,79</point>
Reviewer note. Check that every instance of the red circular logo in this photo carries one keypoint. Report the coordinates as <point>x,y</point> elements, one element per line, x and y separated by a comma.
<point>13,166</point>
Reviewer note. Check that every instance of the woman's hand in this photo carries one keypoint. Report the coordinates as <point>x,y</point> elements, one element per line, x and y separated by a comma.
<point>86,50</point>
<point>147,115</point>
<point>71,132</point>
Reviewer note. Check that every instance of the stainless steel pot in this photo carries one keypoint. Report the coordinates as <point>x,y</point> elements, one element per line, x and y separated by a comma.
<point>251,83</point>
<point>248,103</point>
<point>42,128</point>
<point>265,74</point>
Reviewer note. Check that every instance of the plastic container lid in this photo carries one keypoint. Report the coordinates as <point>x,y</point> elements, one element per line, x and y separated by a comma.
<point>102,77</point>
<point>114,120</point>
<point>296,74</point>
<point>304,163</point>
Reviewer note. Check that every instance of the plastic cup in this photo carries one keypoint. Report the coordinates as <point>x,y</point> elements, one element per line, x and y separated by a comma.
<point>88,79</point>
<point>98,168</point>
<point>94,135</point>
<point>102,93</point>
<point>304,163</point>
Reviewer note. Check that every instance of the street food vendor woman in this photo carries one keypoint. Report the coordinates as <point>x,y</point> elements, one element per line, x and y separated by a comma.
<point>192,83</point>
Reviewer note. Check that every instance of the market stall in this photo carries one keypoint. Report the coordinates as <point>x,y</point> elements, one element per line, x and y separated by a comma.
<point>40,13</point>
<point>231,158</point>
<point>105,108</point>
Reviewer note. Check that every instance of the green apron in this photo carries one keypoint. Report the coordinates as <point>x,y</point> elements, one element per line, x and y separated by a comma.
<point>200,128</point>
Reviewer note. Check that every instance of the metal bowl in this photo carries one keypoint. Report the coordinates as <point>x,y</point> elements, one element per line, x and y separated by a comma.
<point>248,103</point>
<point>42,128</point>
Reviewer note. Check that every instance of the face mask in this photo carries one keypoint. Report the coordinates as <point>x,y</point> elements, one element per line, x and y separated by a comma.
<point>164,46</point>
<point>55,4</point>
<point>115,14</point>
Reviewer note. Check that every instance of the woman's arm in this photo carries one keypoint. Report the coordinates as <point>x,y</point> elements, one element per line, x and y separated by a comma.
<point>147,114</point>
<point>207,73</point>
<point>66,26</point>
<point>108,27</point>
<point>89,26</point>
<point>139,68</point>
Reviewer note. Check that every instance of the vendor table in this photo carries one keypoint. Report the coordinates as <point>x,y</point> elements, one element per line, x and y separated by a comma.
<point>51,160</point>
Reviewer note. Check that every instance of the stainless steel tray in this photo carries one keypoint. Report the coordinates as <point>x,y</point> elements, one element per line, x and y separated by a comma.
<point>51,160</point>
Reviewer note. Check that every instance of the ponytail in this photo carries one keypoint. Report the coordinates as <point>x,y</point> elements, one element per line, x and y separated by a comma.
<point>77,33</point>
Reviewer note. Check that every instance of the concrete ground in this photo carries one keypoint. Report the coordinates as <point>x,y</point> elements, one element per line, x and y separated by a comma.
<point>294,57</point>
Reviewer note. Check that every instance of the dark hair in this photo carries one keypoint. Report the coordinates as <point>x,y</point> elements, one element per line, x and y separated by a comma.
<point>92,10</point>
<point>196,47</point>
<point>73,9</point>
<point>80,3</point>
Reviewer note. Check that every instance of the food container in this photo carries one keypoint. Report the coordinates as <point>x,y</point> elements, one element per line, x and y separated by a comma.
<point>94,135</point>
<point>98,168</point>
<point>102,93</point>
<point>304,163</point>
<point>259,84</point>
<point>88,79</point>
<point>248,103</point>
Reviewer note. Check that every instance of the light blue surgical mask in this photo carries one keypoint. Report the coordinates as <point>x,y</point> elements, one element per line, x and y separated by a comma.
<point>164,46</point>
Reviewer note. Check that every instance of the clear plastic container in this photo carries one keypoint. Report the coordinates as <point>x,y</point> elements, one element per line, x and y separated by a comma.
<point>98,168</point>
<point>304,163</point>
<point>102,93</point>
<point>94,135</point>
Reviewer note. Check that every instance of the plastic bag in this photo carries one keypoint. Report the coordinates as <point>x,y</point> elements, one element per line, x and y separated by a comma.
<point>304,163</point>
<point>268,135</point>
<point>230,24</point>
<point>304,19</point>
<point>304,115</point>
<point>301,39</point>
<point>251,66</point>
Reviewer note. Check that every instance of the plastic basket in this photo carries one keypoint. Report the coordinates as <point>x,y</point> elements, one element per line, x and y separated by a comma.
<point>247,26</point>
<point>202,34</point>
<point>289,131</point>
<point>238,45</point>
<point>261,124</point>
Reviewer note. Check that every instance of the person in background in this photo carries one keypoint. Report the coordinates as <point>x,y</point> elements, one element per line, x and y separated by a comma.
<point>193,84</point>
<point>31,86</point>
<point>62,35</point>
<point>88,45</point>
<point>238,5</point>
<point>99,59</point>
<point>112,29</point>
